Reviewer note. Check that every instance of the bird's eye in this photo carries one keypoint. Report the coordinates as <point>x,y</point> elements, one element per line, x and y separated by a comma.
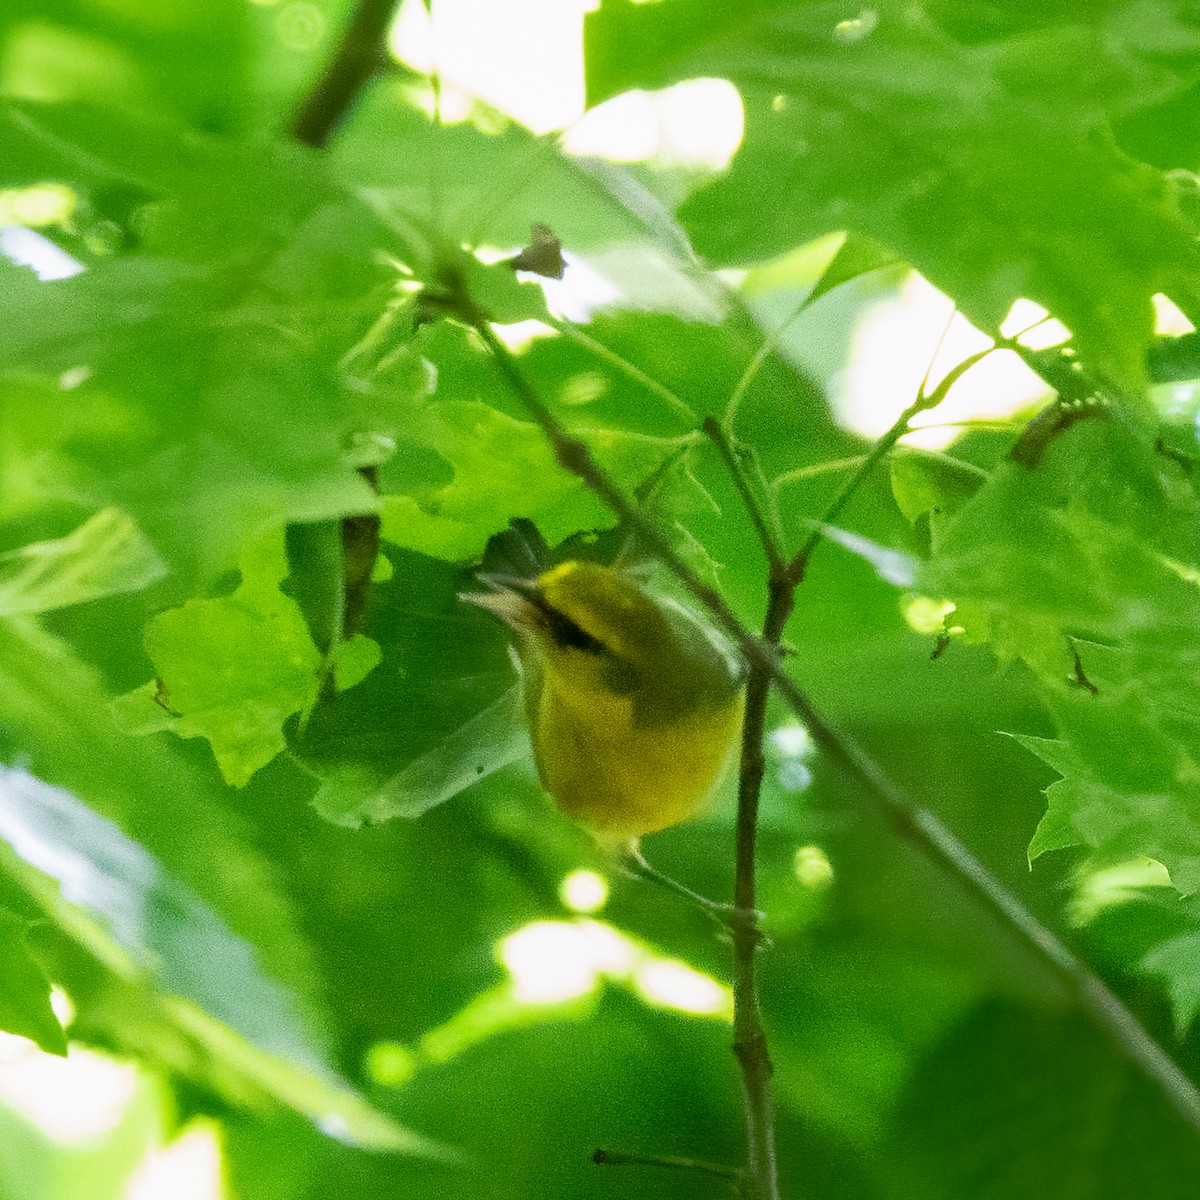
<point>567,634</point>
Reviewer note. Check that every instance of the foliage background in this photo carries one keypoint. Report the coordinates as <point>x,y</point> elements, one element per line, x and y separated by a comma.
<point>181,855</point>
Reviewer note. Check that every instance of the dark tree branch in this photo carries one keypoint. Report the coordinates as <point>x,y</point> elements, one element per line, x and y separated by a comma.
<point>360,54</point>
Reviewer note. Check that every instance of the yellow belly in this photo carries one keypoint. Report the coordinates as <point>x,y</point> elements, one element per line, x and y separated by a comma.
<point>621,779</point>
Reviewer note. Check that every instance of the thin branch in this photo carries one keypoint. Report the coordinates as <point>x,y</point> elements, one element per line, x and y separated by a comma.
<point>614,1158</point>
<point>360,54</point>
<point>918,824</point>
<point>770,539</point>
<point>923,402</point>
<point>749,1036</point>
<point>638,866</point>
<point>678,406</point>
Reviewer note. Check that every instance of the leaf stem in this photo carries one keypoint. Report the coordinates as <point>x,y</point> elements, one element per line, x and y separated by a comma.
<point>919,825</point>
<point>769,537</point>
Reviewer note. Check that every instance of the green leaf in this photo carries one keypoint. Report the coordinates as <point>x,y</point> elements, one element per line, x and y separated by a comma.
<point>855,257</point>
<point>130,905</point>
<point>1085,568</point>
<point>496,463</point>
<point>864,124</point>
<point>233,670</point>
<point>106,555</point>
<point>198,381</point>
<point>932,483</point>
<point>25,995</point>
<point>438,714</point>
<point>55,720</point>
<point>1177,962</point>
<point>484,744</point>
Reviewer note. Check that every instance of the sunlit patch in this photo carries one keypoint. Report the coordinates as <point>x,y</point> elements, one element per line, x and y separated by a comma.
<point>854,29</point>
<point>39,205</point>
<point>891,351</point>
<point>522,334</point>
<point>71,1100</point>
<point>553,962</point>
<point>792,745</point>
<point>189,1168</point>
<point>792,740</point>
<point>525,57</point>
<point>61,1006</point>
<point>673,984</point>
<point>74,377</point>
<point>28,248</point>
<point>1169,319</point>
<point>550,961</point>
<point>583,891</point>
<point>927,616</point>
<point>391,1064</point>
<point>583,388</point>
<point>1033,326</point>
<point>812,868</point>
<point>300,26</point>
<point>1101,888</point>
<point>580,292</point>
<point>697,123</point>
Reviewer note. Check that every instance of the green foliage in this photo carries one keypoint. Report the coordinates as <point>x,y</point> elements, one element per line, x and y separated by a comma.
<point>25,1009</point>
<point>267,808</point>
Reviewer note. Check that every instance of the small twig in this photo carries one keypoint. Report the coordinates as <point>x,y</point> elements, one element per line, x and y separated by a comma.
<point>721,913</point>
<point>770,538</point>
<point>613,1158</point>
<point>676,404</point>
<point>360,53</point>
<point>814,469</point>
<point>921,826</point>
<point>799,565</point>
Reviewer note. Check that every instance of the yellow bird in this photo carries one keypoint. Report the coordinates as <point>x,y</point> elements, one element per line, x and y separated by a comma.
<point>634,705</point>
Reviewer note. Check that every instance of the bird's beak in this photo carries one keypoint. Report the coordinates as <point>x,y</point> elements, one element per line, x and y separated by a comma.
<point>512,599</point>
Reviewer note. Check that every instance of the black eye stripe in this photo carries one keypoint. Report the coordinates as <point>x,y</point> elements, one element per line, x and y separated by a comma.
<point>566,633</point>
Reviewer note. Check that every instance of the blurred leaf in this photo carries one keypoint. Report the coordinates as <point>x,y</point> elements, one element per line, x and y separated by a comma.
<point>54,719</point>
<point>199,383</point>
<point>498,465</point>
<point>933,484</point>
<point>971,147</point>
<point>856,256</point>
<point>106,554</point>
<point>1177,962</point>
<point>967,1110</point>
<point>194,61</point>
<point>485,743</point>
<point>241,1017</point>
<point>437,715</point>
<point>25,999</point>
<point>485,179</point>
